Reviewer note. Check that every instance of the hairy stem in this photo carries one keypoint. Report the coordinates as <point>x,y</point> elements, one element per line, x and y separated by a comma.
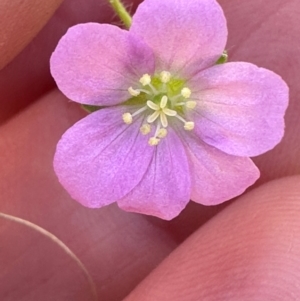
<point>121,11</point>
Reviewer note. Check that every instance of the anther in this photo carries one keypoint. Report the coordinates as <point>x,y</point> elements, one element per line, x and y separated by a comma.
<point>191,104</point>
<point>145,129</point>
<point>153,141</point>
<point>165,76</point>
<point>145,79</point>
<point>133,92</point>
<point>127,118</point>
<point>162,133</point>
<point>188,126</point>
<point>186,92</point>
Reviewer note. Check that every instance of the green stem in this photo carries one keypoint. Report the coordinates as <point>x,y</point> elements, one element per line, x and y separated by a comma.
<point>121,11</point>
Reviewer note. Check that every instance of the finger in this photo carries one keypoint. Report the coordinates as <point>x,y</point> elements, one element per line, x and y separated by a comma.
<point>20,22</point>
<point>250,251</point>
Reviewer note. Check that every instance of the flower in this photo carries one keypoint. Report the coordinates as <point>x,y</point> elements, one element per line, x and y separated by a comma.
<point>175,126</point>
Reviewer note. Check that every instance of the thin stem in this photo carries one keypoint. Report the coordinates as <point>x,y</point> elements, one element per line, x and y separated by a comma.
<point>121,11</point>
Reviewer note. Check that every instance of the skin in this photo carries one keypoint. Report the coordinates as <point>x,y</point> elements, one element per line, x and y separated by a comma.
<point>246,249</point>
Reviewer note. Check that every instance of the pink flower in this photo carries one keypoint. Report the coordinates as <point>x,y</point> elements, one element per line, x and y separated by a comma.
<point>175,126</point>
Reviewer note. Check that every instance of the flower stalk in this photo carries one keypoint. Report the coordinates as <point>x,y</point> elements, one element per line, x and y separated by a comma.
<point>121,11</point>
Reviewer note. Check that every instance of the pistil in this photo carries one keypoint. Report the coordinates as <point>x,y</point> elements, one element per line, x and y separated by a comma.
<point>160,111</point>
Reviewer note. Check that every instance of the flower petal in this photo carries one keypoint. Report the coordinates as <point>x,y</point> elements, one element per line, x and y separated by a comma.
<point>189,35</point>
<point>216,176</point>
<point>96,63</point>
<point>240,108</point>
<point>165,188</point>
<point>100,159</point>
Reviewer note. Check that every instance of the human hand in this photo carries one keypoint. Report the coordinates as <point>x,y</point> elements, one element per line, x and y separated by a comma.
<point>248,251</point>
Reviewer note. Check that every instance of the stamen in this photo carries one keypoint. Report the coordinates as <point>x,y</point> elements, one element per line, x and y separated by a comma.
<point>162,133</point>
<point>140,111</point>
<point>186,92</point>
<point>165,76</point>
<point>191,104</point>
<point>153,89</point>
<point>188,126</point>
<point>145,79</point>
<point>181,119</point>
<point>145,91</point>
<point>145,129</point>
<point>163,101</point>
<point>127,118</point>
<point>153,141</point>
<point>133,92</point>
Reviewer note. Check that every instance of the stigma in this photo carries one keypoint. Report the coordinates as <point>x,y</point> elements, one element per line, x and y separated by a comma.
<point>163,101</point>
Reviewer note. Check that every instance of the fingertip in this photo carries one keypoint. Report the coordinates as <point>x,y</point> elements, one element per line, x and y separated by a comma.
<point>249,251</point>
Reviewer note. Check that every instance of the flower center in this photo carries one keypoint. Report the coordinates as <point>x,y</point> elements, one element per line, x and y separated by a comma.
<point>164,98</point>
